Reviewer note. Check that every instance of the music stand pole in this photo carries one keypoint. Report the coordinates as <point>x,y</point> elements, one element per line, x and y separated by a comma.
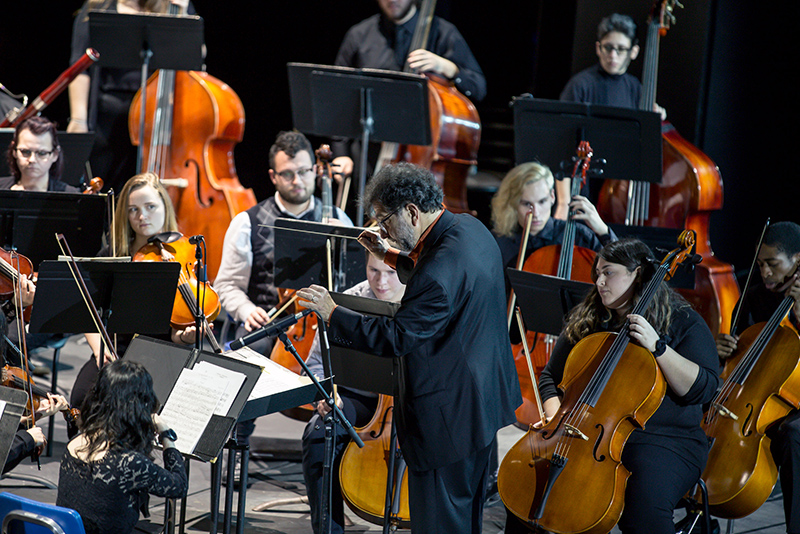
<point>367,125</point>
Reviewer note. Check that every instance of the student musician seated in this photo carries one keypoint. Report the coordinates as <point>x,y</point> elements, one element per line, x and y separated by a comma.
<point>107,472</point>
<point>358,406</point>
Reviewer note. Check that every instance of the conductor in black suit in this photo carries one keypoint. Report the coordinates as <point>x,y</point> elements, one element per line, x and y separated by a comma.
<point>456,383</point>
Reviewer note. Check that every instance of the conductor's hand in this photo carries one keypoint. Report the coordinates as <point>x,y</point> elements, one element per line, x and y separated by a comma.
<point>257,318</point>
<point>583,210</point>
<point>422,60</point>
<point>342,167</point>
<point>318,299</point>
<point>726,344</point>
<point>374,243</point>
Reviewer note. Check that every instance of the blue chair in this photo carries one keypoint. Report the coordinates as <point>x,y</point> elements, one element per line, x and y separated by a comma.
<point>21,515</point>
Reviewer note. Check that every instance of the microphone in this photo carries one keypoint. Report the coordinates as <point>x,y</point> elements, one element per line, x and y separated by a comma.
<point>195,239</point>
<point>269,330</point>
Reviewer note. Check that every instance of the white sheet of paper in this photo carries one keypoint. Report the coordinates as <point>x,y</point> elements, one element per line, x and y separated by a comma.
<point>233,383</point>
<point>190,406</point>
<point>274,378</point>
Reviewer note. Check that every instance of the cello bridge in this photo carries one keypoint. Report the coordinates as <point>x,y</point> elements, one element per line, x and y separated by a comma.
<point>574,431</point>
<point>726,412</point>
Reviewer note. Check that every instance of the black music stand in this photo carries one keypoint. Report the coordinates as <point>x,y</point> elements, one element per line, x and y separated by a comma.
<point>75,150</point>
<point>14,402</point>
<point>29,221</point>
<point>300,254</point>
<point>628,139</point>
<point>148,41</point>
<point>359,370</point>
<point>393,107</point>
<point>116,289</point>
<point>545,300</point>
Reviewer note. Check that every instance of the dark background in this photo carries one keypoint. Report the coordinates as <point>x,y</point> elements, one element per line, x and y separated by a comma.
<point>724,78</point>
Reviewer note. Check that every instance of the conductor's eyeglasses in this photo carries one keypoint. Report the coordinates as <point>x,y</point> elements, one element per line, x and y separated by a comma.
<point>288,175</point>
<point>620,50</point>
<point>41,154</point>
<point>385,218</point>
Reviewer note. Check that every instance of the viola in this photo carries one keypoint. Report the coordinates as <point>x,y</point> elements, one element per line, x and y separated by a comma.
<point>184,310</point>
<point>192,123</point>
<point>363,472</point>
<point>761,386</point>
<point>12,265</point>
<point>455,129</point>
<point>611,387</point>
<point>568,262</point>
<point>689,192</point>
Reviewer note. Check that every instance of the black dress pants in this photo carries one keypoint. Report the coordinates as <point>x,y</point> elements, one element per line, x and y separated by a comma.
<point>785,450</point>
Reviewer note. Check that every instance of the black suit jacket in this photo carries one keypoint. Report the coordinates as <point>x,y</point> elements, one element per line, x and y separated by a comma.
<point>456,383</point>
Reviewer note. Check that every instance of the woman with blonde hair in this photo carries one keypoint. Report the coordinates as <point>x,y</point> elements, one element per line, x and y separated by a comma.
<point>528,188</point>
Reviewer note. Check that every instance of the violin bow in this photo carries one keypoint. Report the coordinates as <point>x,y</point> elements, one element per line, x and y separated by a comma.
<point>87,298</point>
<point>738,308</point>
<point>17,282</point>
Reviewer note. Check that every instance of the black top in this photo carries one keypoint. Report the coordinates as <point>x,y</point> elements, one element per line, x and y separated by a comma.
<point>110,493</point>
<point>551,234</point>
<point>22,447</point>
<point>6,182</point>
<point>758,305</point>
<point>455,380</point>
<point>378,43</point>
<point>676,423</point>
<point>596,86</point>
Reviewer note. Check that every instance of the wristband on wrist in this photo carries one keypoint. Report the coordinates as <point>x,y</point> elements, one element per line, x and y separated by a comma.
<point>167,434</point>
<point>661,347</point>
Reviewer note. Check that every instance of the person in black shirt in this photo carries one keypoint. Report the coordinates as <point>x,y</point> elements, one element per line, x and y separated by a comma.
<point>529,188</point>
<point>778,260</point>
<point>382,42</point>
<point>667,456</point>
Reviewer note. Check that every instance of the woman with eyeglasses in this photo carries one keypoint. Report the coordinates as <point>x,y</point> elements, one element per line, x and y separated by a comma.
<point>34,158</point>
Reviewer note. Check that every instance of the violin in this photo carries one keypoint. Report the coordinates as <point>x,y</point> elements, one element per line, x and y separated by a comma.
<point>12,265</point>
<point>611,387</point>
<point>185,308</point>
<point>761,386</point>
<point>363,472</point>
<point>17,378</point>
<point>93,187</point>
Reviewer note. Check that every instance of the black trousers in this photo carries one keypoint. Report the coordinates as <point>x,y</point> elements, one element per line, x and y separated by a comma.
<point>785,450</point>
<point>450,498</point>
<point>358,410</point>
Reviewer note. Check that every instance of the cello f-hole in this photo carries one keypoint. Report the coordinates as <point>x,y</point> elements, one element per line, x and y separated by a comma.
<point>602,457</point>
<point>746,423</point>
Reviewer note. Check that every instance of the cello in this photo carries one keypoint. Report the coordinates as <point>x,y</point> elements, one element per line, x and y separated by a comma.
<point>565,261</point>
<point>611,387</point>
<point>690,190</point>
<point>762,385</point>
<point>193,121</point>
<point>455,129</point>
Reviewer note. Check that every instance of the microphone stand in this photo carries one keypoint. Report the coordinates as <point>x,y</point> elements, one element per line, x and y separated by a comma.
<point>334,417</point>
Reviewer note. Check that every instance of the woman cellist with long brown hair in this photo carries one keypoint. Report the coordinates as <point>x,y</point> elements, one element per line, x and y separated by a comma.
<point>666,456</point>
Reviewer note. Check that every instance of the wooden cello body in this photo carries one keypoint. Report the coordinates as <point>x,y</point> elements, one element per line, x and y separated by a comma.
<point>363,473</point>
<point>690,191</point>
<point>762,385</point>
<point>193,121</point>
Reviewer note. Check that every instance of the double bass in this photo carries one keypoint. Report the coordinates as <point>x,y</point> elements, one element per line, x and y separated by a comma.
<point>193,120</point>
<point>611,387</point>
<point>690,190</point>
<point>455,129</point>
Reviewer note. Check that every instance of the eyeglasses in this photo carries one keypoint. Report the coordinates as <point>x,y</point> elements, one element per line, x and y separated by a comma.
<point>383,221</point>
<point>288,175</point>
<point>620,50</point>
<point>41,154</point>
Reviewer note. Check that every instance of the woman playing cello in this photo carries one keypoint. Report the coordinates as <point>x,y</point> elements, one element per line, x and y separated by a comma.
<point>143,211</point>
<point>665,457</point>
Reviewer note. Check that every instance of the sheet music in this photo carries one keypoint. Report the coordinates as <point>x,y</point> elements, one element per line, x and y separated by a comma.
<point>274,378</point>
<point>220,375</point>
<point>193,400</point>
